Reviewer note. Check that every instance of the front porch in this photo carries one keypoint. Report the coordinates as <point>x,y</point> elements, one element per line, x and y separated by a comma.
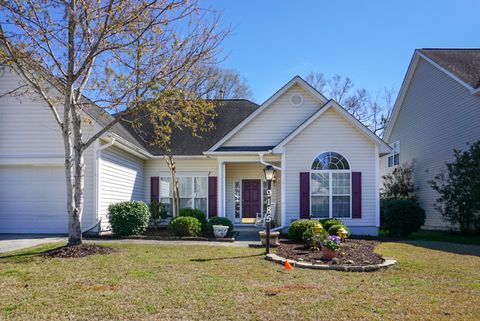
<point>242,191</point>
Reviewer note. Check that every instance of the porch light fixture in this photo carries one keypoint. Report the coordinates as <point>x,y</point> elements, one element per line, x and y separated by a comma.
<point>269,175</point>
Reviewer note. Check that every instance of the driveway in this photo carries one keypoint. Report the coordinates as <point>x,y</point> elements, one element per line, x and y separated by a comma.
<point>13,242</point>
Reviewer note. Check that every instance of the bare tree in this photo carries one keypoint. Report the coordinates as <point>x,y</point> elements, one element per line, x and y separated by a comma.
<point>218,83</point>
<point>371,110</point>
<point>122,53</point>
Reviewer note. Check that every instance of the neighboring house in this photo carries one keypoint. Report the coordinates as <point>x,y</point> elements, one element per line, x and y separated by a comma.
<point>437,110</point>
<point>327,164</point>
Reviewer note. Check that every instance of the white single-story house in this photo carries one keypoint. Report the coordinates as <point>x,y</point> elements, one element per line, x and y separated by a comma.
<point>327,163</point>
<point>437,111</point>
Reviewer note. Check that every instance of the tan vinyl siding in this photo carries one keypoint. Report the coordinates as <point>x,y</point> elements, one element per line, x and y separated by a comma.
<point>331,132</point>
<point>185,167</point>
<point>276,122</point>
<point>437,115</point>
<point>239,171</point>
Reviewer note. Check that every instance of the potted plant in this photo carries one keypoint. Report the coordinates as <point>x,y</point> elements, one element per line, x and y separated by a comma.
<point>273,237</point>
<point>219,231</point>
<point>330,246</point>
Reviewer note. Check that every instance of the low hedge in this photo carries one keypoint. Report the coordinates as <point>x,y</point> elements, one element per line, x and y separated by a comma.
<point>298,227</point>
<point>327,223</point>
<point>185,226</point>
<point>401,217</point>
<point>333,230</point>
<point>198,214</point>
<point>128,218</point>
<point>220,221</point>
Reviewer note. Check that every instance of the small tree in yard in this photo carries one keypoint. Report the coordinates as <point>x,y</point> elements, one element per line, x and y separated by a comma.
<point>399,183</point>
<point>130,57</point>
<point>459,187</point>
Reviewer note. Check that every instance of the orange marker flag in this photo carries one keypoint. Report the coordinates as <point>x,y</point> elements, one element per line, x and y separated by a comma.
<point>288,266</point>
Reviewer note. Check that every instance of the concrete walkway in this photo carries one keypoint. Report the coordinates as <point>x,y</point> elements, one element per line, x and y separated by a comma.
<point>13,242</point>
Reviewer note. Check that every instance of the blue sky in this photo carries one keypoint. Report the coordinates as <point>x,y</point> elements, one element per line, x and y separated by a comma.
<point>369,41</point>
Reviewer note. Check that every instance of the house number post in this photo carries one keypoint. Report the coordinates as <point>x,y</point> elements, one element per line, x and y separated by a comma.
<point>268,216</point>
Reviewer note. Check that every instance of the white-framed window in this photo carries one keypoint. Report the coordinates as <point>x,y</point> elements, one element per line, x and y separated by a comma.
<point>193,192</point>
<point>330,186</point>
<point>394,157</point>
<point>237,194</point>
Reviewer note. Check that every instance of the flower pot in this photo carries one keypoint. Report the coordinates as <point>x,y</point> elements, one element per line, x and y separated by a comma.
<point>273,238</point>
<point>219,231</point>
<point>328,254</point>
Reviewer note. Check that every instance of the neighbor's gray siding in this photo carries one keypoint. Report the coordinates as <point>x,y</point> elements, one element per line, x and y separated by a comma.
<point>121,179</point>
<point>437,115</point>
<point>331,132</point>
<point>276,122</point>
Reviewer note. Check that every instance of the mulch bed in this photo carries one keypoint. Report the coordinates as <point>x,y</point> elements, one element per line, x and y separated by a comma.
<point>354,252</point>
<point>78,251</point>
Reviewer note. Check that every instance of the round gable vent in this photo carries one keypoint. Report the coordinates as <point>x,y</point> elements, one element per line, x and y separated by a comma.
<point>296,100</point>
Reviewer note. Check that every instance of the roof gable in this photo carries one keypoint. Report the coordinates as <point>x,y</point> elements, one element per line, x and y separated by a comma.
<point>462,63</point>
<point>332,104</point>
<point>295,81</point>
<point>455,63</point>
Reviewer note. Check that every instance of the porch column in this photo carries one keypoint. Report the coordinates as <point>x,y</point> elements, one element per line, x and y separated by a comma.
<point>221,188</point>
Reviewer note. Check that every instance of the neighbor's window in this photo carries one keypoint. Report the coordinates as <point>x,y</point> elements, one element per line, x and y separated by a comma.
<point>330,186</point>
<point>192,191</point>
<point>394,157</point>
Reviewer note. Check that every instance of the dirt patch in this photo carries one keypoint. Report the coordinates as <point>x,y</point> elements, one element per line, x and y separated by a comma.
<point>78,251</point>
<point>354,252</point>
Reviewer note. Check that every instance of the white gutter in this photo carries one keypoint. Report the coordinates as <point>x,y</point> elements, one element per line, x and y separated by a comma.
<point>265,163</point>
<point>112,141</point>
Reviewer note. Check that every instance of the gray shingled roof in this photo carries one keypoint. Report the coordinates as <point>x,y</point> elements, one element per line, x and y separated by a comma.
<point>230,113</point>
<point>463,63</point>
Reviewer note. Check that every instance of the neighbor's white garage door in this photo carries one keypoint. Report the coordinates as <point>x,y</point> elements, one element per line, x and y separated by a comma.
<point>32,200</point>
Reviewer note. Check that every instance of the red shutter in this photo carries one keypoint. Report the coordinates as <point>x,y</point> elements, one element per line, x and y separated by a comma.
<point>356,195</point>
<point>305,195</point>
<point>154,188</point>
<point>212,196</point>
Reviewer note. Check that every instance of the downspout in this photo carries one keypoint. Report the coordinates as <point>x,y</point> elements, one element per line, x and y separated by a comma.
<point>97,223</point>
<point>263,162</point>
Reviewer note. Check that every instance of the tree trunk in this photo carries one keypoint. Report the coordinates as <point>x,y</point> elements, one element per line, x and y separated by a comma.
<point>75,226</point>
<point>175,191</point>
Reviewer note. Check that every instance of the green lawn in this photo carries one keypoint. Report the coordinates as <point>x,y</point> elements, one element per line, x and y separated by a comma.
<point>201,282</point>
<point>445,236</point>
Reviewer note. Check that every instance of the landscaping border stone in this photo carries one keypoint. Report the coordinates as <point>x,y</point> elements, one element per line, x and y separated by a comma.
<point>388,261</point>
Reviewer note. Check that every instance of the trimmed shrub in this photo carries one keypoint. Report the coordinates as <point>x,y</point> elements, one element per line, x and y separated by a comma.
<point>307,236</point>
<point>220,221</point>
<point>158,213</point>
<point>198,214</point>
<point>333,230</point>
<point>401,217</point>
<point>298,227</point>
<point>329,222</point>
<point>128,218</point>
<point>185,226</point>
